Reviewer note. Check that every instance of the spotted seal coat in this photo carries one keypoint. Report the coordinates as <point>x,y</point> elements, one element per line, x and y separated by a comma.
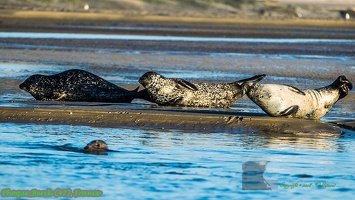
<point>179,92</point>
<point>282,100</point>
<point>78,85</point>
<point>98,147</point>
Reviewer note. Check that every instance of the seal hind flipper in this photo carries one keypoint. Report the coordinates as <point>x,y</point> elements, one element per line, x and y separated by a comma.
<point>289,111</point>
<point>135,90</point>
<point>186,84</point>
<point>294,89</point>
<point>143,94</point>
<point>255,78</point>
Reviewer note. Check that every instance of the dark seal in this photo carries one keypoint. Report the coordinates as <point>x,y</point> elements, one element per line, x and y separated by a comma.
<point>78,85</point>
<point>287,101</point>
<point>97,147</point>
<point>179,92</point>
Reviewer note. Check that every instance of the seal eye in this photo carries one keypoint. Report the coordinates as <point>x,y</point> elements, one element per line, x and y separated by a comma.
<point>342,79</point>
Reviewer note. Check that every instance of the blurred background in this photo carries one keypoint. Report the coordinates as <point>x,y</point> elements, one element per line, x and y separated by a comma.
<point>275,9</point>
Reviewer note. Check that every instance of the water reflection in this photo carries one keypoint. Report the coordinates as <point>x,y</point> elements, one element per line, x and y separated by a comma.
<point>247,139</point>
<point>253,178</point>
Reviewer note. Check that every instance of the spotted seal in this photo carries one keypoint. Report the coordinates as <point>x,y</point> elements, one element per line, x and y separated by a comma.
<point>78,85</point>
<point>179,92</point>
<point>282,100</point>
<point>98,147</point>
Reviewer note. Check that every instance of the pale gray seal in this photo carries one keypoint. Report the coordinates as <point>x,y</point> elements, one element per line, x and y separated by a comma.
<point>78,85</point>
<point>179,92</point>
<point>98,147</point>
<point>282,100</point>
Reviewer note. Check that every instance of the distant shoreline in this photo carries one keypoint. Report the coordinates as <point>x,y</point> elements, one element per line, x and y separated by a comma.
<point>110,23</point>
<point>13,17</point>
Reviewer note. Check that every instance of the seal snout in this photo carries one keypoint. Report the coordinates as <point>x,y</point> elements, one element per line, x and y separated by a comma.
<point>348,84</point>
<point>31,82</point>
<point>22,86</point>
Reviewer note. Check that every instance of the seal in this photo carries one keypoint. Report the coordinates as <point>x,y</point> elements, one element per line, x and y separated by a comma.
<point>179,92</point>
<point>78,85</point>
<point>98,147</point>
<point>282,100</point>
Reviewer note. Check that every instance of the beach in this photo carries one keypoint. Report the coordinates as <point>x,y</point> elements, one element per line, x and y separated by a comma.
<point>162,152</point>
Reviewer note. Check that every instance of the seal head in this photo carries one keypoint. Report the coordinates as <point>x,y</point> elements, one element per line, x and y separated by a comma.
<point>343,85</point>
<point>97,147</point>
<point>37,85</point>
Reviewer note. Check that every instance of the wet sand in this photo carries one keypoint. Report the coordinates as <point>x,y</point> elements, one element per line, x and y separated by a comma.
<point>106,115</point>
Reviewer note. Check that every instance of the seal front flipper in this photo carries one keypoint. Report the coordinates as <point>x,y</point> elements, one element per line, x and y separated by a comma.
<point>172,102</point>
<point>294,89</point>
<point>61,97</point>
<point>289,111</point>
<point>186,84</point>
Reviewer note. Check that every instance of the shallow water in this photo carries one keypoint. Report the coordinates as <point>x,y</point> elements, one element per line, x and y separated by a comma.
<point>170,164</point>
<point>166,164</point>
<point>166,38</point>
